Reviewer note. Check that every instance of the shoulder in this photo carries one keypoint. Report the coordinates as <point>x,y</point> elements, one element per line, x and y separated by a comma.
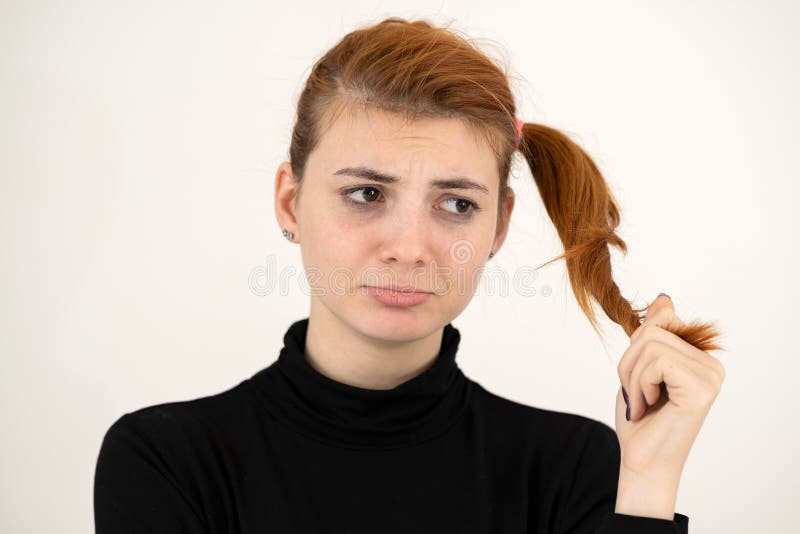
<point>549,430</point>
<point>158,463</point>
<point>177,424</point>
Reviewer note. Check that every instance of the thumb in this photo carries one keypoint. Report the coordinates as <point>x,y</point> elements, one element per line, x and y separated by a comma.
<point>661,301</point>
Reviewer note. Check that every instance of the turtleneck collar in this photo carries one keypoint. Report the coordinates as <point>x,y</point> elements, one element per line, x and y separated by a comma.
<point>317,406</point>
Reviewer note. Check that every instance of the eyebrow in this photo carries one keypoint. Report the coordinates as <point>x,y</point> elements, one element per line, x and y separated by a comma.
<point>454,182</point>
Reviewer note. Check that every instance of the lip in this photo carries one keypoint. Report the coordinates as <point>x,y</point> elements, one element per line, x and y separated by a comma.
<point>401,296</point>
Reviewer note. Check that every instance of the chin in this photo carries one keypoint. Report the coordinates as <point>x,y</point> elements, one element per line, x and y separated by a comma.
<point>395,324</point>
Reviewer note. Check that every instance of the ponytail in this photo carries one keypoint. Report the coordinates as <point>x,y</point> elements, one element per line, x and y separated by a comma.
<point>586,215</point>
<point>422,70</point>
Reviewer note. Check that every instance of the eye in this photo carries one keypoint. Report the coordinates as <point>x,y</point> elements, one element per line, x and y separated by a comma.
<point>370,194</point>
<point>463,206</point>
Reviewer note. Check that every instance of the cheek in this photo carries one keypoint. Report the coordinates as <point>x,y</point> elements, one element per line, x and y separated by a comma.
<point>465,251</point>
<point>469,279</point>
<point>458,280</point>
<point>333,250</point>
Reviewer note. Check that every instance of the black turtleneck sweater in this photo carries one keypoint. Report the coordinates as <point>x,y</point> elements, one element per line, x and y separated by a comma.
<point>290,450</point>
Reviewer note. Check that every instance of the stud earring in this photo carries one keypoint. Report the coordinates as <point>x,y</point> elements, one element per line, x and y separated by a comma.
<point>491,254</point>
<point>289,235</point>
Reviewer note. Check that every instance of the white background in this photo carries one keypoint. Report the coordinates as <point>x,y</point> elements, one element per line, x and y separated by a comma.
<point>139,145</point>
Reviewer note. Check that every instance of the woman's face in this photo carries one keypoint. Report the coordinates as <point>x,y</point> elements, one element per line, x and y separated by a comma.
<point>388,202</point>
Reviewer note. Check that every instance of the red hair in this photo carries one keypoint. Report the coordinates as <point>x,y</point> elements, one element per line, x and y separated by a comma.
<point>417,69</point>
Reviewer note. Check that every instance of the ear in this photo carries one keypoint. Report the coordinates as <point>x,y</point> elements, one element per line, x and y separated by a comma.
<point>286,192</point>
<point>504,217</point>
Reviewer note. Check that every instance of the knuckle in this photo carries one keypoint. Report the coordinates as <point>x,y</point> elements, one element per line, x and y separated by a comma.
<point>636,333</point>
<point>643,330</point>
<point>712,395</point>
<point>650,348</point>
<point>721,369</point>
<point>649,330</point>
<point>712,387</point>
<point>718,369</point>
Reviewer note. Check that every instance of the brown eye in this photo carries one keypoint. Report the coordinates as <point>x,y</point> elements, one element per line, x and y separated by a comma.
<point>462,206</point>
<point>370,194</point>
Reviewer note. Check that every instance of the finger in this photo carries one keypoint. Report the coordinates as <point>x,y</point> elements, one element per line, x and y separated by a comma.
<point>641,395</point>
<point>661,301</point>
<point>664,316</point>
<point>660,363</point>
<point>650,332</point>
<point>635,356</point>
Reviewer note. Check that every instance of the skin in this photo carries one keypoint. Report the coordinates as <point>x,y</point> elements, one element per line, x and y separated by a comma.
<point>405,233</point>
<point>671,387</point>
<point>408,236</point>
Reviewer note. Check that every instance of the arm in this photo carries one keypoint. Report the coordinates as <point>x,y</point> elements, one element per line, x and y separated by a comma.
<point>591,504</point>
<point>135,490</point>
<point>671,385</point>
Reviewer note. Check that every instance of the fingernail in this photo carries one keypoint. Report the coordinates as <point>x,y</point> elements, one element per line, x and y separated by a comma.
<point>627,405</point>
<point>670,298</point>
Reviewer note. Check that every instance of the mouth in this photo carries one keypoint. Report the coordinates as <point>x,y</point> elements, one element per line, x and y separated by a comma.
<point>400,297</point>
<point>399,289</point>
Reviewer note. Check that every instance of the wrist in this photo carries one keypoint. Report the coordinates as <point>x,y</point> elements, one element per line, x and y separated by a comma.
<point>646,497</point>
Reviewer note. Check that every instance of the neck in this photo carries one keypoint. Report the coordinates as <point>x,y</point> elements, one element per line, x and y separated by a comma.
<point>340,352</point>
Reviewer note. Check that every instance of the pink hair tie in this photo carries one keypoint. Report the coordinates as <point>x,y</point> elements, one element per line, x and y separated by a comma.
<point>519,123</point>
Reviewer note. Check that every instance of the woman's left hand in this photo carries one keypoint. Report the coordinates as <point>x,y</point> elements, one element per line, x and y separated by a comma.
<point>671,386</point>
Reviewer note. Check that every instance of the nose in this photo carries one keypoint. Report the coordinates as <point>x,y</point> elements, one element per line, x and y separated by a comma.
<point>406,242</point>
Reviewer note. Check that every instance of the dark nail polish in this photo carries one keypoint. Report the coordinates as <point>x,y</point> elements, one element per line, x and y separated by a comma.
<point>670,298</point>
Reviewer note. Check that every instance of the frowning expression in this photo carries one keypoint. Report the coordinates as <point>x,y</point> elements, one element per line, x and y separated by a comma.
<point>393,203</point>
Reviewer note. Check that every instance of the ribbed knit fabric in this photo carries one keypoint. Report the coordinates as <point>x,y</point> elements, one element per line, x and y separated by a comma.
<point>290,450</point>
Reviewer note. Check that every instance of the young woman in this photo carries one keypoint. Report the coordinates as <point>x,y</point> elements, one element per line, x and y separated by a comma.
<point>397,191</point>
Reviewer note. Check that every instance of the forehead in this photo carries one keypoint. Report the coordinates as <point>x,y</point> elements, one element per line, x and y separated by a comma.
<point>413,148</point>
